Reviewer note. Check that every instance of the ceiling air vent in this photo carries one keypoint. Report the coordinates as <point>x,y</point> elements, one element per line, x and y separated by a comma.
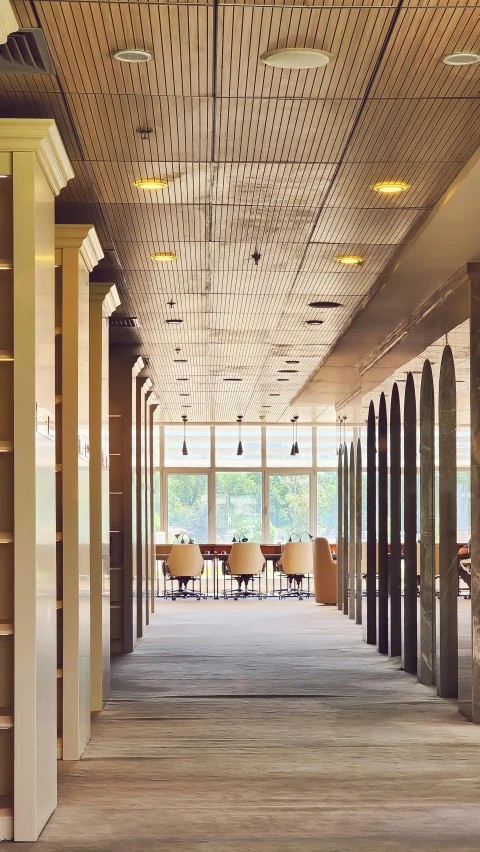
<point>124,322</point>
<point>26,52</point>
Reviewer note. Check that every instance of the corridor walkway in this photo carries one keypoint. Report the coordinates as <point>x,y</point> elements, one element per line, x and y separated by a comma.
<point>268,727</point>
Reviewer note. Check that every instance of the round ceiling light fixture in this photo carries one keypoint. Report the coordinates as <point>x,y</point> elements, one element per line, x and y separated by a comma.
<point>461,57</point>
<point>350,259</point>
<point>296,58</point>
<point>133,55</point>
<point>313,322</point>
<point>151,183</point>
<point>390,187</point>
<point>163,256</point>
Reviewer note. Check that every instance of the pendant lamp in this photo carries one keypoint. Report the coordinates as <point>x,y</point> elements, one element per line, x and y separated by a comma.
<point>292,451</point>
<point>184,448</point>
<point>295,446</point>
<point>240,447</point>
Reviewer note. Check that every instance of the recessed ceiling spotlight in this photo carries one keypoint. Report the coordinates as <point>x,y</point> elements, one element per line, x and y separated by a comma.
<point>174,321</point>
<point>288,371</point>
<point>313,322</point>
<point>461,57</point>
<point>232,380</point>
<point>151,183</point>
<point>184,394</point>
<point>133,55</point>
<point>182,379</point>
<point>266,406</point>
<point>292,362</point>
<point>163,256</point>
<point>274,394</point>
<point>186,406</point>
<point>282,380</point>
<point>180,361</point>
<point>296,58</point>
<point>390,187</point>
<point>324,305</point>
<point>350,259</point>
<point>5,264</point>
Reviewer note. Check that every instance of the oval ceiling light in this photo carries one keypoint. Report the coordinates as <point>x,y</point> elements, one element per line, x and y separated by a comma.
<point>461,57</point>
<point>350,259</point>
<point>163,256</point>
<point>151,183</point>
<point>296,58</point>
<point>133,55</point>
<point>174,321</point>
<point>324,305</point>
<point>390,187</point>
<point>313,322</point>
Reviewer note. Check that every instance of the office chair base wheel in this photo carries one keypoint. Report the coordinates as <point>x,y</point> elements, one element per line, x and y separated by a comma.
<point>300,597</point>
<point>199,597</point>
<point>235,597</point>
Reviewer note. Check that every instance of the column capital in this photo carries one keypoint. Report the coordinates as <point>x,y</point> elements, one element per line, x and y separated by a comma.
<point>8,21</point>
<point>83,238</point>
<point>147,384</point>
<point>107,295</point>
<point>39,136</point>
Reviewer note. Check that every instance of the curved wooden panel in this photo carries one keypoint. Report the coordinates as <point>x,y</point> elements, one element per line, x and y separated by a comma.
<point>358,535</point>
<point>427,528</point>
<point>395,525</point>
<point>352,550</point>
<point>447,676</point>
<point>410,527</point>
<point>345,530</point>
<point>371,609</point>
<point>340,531</point>
<point>382,528</point>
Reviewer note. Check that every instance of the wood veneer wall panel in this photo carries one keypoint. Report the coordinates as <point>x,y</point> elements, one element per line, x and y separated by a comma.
<point>352,550</point>
<point>371,605</point>
<point>345,532</point>
<point>358,534</point>
<point>410,527</point>
<point>340,530</point>
<point>395,634</point>
<point>427,529</point>
<point>382,637</point>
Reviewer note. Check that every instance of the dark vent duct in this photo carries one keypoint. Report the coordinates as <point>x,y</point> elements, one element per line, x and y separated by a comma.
<point>123,322</point>
<point>26,52</point>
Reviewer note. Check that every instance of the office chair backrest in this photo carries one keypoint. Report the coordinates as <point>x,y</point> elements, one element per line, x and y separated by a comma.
<point>323,552</point>
<point>297,557</point>
<point>246,558</point>
<point>185,560</point>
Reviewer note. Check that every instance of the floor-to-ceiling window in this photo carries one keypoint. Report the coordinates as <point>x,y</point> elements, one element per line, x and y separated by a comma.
<point>289,505</point>
<point>187,501</point>
<point>238,496</point>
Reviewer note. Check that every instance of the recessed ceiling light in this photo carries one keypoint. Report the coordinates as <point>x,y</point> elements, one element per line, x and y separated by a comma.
<point>266,406</point>
<point>292,362</point>
<point>282,380</point>
<point>174,321</point>
<point>390,187</point>
<point>313,322</point>
<point>288,371</point>
<point>324,305</point>
<point>163,256</point>
<point>151,183</point>
<point>180,361</point>
<point>182,380</point>
<point>3,176</point>
<point>186,406</point>
<point>5,264</point>
<point>462,57</point>
<point>184,394</point>
<point>232,380</point>
<point>133,55</point>
<point>274,394</point>
<point>296,58</point>
<point>350,259</point>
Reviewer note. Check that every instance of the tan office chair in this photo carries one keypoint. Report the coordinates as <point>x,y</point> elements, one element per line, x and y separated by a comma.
<point>325,572</point>
<point>296,562</point>
<point>184,565</point>
<point>246,562</point>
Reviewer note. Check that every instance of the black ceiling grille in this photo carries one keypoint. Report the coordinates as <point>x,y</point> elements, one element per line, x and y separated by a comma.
<point>124,322</point>
<point>26,52</point>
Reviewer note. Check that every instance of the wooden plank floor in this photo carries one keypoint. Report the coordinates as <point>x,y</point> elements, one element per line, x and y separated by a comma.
<point>267,727</point>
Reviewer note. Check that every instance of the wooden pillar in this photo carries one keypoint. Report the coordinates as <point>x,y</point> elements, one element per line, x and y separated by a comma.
<point>447,675</point>
<point>410,527</point>
<point>473,270</point>
<point>36,168</point>
<point>382,528</point>
<point>77,251</point>
<point>427,528</point>
<point>153,405</point>
<point>340,530</point>
<point>103,302</point>
<point>395,649</point>
<point>358,535</point>
<point>143,386</point>
<point>124,368</point>
<point>345,530</point>
<point>352,550</point>
<point>371,609</point>
<point>146,506</point>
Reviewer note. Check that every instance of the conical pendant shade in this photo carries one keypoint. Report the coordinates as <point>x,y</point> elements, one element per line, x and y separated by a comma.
<point>295,447</point>
<point>239,449</point>
<point>292,451</point>
<point>184,449</point>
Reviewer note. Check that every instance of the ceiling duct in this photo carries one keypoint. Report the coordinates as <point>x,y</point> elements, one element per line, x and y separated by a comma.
<point>26,52</point>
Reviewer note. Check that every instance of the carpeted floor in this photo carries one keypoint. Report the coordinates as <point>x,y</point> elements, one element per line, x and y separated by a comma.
<point>267,727</point>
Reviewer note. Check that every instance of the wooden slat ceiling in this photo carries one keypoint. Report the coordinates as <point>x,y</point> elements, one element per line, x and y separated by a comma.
<point>257,159</point>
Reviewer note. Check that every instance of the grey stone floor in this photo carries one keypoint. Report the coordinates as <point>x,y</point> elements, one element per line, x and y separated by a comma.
<point>267,727</point>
